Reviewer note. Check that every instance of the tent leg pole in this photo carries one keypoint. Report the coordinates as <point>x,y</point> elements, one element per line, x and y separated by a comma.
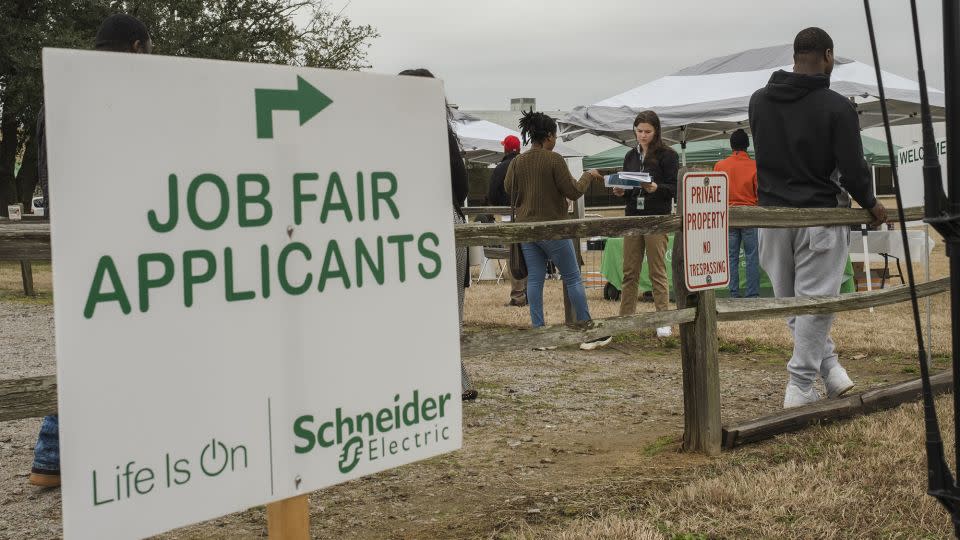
<point>926,265</point>
<point>683,146</point>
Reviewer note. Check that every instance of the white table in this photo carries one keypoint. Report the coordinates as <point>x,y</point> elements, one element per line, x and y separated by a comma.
<point>885,245</point>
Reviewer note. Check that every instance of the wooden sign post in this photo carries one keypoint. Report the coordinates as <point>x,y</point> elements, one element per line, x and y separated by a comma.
<point>699,346</point>
<point>289,519</point>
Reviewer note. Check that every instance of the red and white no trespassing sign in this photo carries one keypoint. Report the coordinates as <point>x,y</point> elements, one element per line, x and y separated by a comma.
<point>705,261</point>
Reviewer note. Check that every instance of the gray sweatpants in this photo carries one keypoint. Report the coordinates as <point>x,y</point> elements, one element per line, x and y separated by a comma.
<point>806,262</point>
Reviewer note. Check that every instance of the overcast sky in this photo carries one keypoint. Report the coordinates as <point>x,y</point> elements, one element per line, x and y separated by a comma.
<point>573,52</point>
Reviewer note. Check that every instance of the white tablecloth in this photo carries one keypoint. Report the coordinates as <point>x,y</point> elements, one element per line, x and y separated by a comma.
<point>891,243</point>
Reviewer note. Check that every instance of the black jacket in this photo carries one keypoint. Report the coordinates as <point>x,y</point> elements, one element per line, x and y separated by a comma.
<point>802,133</point>
<point>497,196</point>
<point>663,170</point>
<point>458,173</point>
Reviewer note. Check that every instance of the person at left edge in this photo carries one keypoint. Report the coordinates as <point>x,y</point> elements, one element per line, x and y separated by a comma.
<point>498,196</point>
<point>459,187</point>
<point>117,33</point>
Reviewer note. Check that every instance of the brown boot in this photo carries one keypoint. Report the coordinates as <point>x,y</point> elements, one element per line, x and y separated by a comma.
<point>44,478</point>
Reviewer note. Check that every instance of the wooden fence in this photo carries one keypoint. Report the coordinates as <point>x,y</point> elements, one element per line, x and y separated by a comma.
<point>505,210</point>
<point>697,314</point>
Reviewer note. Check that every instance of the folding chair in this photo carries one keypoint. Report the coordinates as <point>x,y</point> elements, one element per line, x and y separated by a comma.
<point>498,254</point>
<point>886,269</point>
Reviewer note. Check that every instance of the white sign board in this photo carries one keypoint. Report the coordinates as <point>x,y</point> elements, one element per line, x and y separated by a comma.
<point>255,283</point>
<point>910,170</point>
<point>706,261</point>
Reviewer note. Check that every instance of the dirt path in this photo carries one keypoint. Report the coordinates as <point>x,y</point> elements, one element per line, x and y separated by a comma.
<point>554,435</point>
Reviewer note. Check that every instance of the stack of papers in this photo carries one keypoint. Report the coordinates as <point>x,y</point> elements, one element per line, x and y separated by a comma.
<point>626,179</point>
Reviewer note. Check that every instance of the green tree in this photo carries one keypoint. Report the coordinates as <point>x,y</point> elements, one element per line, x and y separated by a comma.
<point>242,30</point>
<point>25,27</point>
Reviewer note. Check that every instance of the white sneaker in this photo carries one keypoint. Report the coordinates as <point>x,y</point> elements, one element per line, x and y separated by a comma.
<point>596,343</point>
<point>794,397</point>
<point>837,382</point>
<point>664,331</point>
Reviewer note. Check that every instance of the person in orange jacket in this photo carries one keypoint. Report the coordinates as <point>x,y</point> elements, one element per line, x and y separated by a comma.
<point>742,188</point>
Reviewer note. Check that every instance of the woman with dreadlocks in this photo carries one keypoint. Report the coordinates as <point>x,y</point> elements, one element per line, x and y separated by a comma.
<point>458,185</point>
<point>540,183</point>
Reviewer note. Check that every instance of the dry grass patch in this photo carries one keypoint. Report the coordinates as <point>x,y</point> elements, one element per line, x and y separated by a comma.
<point>609,528</point>
<point>860,479</point>
<point>11,283</point>
<point>11,279</point>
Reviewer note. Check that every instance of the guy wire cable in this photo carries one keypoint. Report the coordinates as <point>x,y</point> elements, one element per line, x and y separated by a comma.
<point>940,480</point>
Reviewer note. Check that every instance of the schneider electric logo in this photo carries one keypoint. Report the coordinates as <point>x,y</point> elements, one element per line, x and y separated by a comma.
<point>373,434</point>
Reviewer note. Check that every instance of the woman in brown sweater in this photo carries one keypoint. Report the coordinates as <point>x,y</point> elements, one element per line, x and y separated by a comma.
<point>539,184</point>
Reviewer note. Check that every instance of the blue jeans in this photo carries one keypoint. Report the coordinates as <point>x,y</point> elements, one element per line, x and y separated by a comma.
<point>748,238</point>
<point>46,455</point>
<point>562,253</point>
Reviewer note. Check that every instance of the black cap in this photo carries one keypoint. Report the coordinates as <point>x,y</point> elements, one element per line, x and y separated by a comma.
<point>739,140</point>
<point>120,31</point>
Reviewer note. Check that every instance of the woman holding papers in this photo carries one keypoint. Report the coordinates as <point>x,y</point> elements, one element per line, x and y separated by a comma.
<point>539,184</point>
<point>655,165</point>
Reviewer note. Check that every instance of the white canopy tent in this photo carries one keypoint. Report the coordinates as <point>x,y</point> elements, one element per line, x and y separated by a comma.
<point>710,99</point>
<point>481,140</point>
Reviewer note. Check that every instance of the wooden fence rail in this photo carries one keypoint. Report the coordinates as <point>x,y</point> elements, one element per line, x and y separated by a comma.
<point>472,234</point>
<point>697,314</point>
<point>24,241</point>
<point>475,344</point>
<point>28,397</point>
<point>31,241</point>
<point>751,309</point>
<point>874,400</point>
<point>505,210</point>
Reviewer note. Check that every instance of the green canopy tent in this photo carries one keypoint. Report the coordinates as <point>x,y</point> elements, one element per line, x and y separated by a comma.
<point>874,150</point>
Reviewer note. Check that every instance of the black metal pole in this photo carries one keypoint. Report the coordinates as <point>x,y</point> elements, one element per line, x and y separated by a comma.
<point>938,213</point>
<point>951,54</point>
<point>942,214</point>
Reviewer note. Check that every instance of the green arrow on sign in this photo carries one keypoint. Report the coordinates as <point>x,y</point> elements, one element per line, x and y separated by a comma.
<point>306,99</point>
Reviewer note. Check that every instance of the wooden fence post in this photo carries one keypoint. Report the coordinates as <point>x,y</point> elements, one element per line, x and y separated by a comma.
<point>26,273</point>
<point>569,313</point>
<point>699,349</point>
<point>289,519</point>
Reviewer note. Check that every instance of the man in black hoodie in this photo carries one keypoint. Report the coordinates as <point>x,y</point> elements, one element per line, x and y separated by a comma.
<point>498,195</point>
<point>803,134</point>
